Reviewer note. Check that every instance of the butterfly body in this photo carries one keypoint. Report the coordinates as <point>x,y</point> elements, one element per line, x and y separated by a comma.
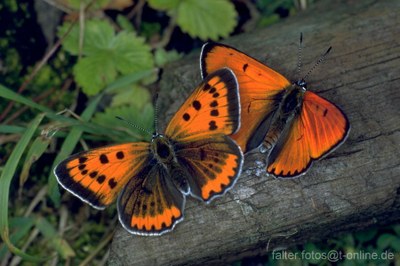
<point>294,125</point>
<point>152,179</point>
<point>288,106</point>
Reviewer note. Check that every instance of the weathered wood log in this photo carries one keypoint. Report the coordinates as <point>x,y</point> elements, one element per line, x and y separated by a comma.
<point>356,186</point>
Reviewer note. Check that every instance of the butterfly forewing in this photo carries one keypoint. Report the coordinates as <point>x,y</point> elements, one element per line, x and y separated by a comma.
<point>260,90</point>
<point>213,108</point>
<point>98,175</point>
<point>151,204</point>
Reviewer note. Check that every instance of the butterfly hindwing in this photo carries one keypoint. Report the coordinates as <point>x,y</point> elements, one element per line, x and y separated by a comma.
<point>315,131</point>
<point>151,204</point>
<point>260,90</point>
<point>213,165</point>
<point>97,176</point>
<point>213,108</point>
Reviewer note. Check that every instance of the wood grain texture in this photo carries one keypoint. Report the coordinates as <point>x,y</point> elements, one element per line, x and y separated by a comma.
<point>356,186</point>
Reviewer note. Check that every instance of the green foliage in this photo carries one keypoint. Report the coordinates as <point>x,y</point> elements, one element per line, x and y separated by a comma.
<point>268,9</point>
<point>165,5</point>
<point>105,54</point>
<point>142,117</point>
<point>162,57</point>
<point>76,4</point>
<point>206,19</point>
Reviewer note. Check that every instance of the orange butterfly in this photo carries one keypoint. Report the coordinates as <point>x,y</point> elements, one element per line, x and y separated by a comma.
<point>295,125</point>
<point>194,157</point>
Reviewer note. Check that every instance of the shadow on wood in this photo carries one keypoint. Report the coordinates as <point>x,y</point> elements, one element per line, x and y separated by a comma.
<point>356,186</point>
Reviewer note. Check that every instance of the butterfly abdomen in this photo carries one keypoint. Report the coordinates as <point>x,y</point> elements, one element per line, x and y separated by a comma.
<point>289,107</point>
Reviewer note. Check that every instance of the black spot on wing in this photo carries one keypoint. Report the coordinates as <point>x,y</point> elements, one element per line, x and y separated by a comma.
<point>214,103</point>
<point>120,155</point>
<point>104,159</point>
<point>112,183</point>
<point>186,117</point>
<point>213,125</point>
<point>214,112</point>
<point>206,87</point>
<point>93,174</point>
<point>101,179</point>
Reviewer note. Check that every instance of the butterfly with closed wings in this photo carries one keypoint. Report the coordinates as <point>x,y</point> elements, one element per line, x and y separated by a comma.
<point>195,156</point>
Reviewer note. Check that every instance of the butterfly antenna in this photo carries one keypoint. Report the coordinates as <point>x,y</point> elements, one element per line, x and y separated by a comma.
<point>156,113</point>
<point>135,126</point>
<point>299,53</point>
<point>322,57</point>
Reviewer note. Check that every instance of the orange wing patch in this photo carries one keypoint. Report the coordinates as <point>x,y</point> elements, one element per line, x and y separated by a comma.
<point>213,165</point>
<point>260,89</point>
<point>326,125</point>
<point>213,108</point>
<point>316,131</point>
<point>151,204</point>
<point>98,175</point>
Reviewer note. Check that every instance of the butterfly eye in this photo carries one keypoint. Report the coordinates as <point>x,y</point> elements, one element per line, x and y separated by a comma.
<point>302,83</point>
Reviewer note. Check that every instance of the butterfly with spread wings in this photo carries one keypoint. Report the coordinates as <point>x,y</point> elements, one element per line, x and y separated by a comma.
<point>194,157</point>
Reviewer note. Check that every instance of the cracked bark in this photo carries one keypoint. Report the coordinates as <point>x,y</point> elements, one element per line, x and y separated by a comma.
<point>355,187</point>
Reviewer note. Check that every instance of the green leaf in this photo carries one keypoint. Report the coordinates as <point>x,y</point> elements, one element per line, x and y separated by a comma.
<point>134,95</point>
<point>95,72</point>
<point>124,23</point>
<point>106,55</point>
<point>162,57</point>
<point>97,35</point>
<point>206,19</point>
<point>385,240</point>
<point>365,236</point>
<point>164,5</point>
<point>131,53</point>
<point>311,248</point>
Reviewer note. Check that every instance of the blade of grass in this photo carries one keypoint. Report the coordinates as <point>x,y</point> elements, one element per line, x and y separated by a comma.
<point>74,135</point>
<point>36,150</point>
<point>67,147</point>
<point>56,242</point>
<point>21,227</point>
<point>5,181</point>
<point>6,129</point>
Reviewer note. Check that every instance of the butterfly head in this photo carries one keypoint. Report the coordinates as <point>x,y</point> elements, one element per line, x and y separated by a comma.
<point>302,84</point>
<point>162,148</point>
